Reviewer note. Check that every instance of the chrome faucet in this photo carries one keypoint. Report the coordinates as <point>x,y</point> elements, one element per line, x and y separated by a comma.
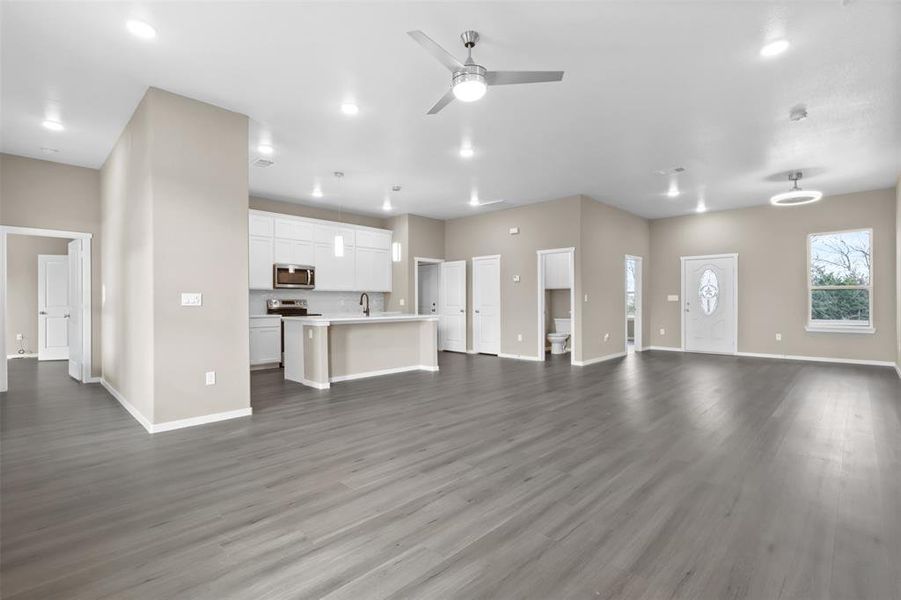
<point>365,296</point>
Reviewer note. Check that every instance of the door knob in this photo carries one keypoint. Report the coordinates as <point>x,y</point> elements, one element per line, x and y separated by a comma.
<point>66,316</point>
<point>461,310</point>
<point>43,312</point>
<point>477,312</point>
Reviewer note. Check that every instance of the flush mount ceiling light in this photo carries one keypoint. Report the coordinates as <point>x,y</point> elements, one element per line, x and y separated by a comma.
<point>317,192</point>
<point>470,81</point>
<point>52,125</point>
<point>265,149</point>
<point>795,196</point>
<point>467,152</point>
<point>798,113</point>
<point>349,108</point>
<point>774,48</point>
<point>140,29</point>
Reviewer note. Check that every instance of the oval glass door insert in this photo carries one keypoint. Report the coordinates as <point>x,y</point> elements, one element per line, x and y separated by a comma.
<point>708,291</point>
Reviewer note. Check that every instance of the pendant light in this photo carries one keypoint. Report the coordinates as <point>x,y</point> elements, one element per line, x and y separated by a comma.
<point>795,196</point>
<point>339,238</point>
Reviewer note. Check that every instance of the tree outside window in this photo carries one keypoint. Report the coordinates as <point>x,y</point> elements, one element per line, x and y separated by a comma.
<point>840,279</point>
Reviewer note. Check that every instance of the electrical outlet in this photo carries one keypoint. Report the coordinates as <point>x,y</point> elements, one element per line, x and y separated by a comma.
<point>662,331</point>
<point>778,337</point>
<point>518,337</point>
<point>19,337</point>
<point>402,302</point>
<point>672,298</point>
<point>191,299</point>
<point>211,377</point>
<point>586,297</point>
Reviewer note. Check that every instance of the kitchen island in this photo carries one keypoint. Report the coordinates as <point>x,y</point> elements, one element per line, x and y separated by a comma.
<point>326,349</point>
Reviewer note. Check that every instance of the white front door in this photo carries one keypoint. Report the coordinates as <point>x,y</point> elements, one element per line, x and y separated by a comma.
<point>452,306</point>
<point>76,310</point>
<point>428,289</point>
<point>486,301</point>
<point>53,307</point>
<point>709,304</point>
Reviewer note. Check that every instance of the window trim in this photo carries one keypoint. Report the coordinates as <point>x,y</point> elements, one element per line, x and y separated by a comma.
<point>836,326</point>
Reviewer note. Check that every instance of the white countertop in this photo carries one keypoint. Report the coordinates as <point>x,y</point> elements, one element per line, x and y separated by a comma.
<point>376,318</point>
<point>265,316</point>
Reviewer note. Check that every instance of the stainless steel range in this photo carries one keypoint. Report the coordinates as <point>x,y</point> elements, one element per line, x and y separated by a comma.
<point>288,307</point>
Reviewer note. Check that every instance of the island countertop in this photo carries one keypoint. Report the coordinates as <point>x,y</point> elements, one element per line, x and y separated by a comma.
<point>324,320</point>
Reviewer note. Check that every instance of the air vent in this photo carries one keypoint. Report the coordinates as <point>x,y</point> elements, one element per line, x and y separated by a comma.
<point>672,171</point>
<point>263,163</point>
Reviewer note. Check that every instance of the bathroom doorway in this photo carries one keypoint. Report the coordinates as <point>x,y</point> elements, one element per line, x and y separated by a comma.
<point>556,303</point>
<point>633,303</point>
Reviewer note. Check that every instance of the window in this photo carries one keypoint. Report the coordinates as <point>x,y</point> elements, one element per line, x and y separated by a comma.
<point>840,281</point>
<point>630,288</point>
<point>708,292</point>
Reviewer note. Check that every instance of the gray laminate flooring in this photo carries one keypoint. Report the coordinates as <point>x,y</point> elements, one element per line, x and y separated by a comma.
<point>661,475</point>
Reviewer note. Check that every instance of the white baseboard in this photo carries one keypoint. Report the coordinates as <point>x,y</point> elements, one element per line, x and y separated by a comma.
<point>93,379</point>
<point>383,372</point>
<point>665,348</point>
<point>520,357</point>
<point>29,355</point>
<point>898,369</point>
<point>134,412</point>
<point>201,420</point>
<point>170,425</point>
<point>592,361</point>
<point>313,384</point>
<point>847,361</point>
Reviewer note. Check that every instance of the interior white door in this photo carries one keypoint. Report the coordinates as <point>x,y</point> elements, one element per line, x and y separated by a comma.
<point>452,306</point>
<point>53,307</point>
<point>486,300</point>
<point>709,302</point>
<point>428,288</point>
<point>76,311</point>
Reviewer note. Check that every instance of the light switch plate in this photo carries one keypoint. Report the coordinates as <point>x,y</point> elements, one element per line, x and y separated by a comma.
<point>191,299</point>
<point>662,331</point>
<point>672,298</point>
<point>310,333</point>
<point>514,230</point>
<point>516,279</point>
<point>586,297</point>
<point>211,377</point>
<point>402,302</point>
<point>778,337</point>
<point>519,337</point>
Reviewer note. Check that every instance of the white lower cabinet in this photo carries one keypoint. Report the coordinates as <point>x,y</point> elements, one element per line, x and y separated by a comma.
<point>265,341</point>
<point>260,263</point>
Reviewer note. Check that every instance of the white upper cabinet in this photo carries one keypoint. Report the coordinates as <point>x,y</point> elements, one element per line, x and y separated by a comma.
<point>260,262</point>
<point>261,225</point>
<point>556,271</point>
<point>364,266</point>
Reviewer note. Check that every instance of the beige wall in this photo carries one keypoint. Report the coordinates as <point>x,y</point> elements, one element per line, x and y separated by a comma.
<point>175,207</point>
<point>608,235</point>
<point>424,239</point>
<point>553,224</point>
<point>22,287</point>
<point>314,212</point>
<point>48,195</point>
<point>771,244</point>
<point>898,273</point>
<point>400,273</point>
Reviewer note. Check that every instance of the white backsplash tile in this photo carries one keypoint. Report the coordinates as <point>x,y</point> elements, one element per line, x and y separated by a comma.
<point>326,303</point>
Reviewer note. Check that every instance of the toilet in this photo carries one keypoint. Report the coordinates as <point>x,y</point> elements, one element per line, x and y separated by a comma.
<point>560,336</point>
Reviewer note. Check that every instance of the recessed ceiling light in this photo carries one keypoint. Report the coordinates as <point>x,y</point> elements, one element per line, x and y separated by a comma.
<point>774,48</point>
<point>349,108</point>
<point>474,200</point>
<point>701,207</point>
<point>317,192</point>
<point>673,191</point>
<point>265,149</point>
<point>140,29</point>
<point>467,152</point>
<point>53,125</point>
<point>386,205</point>
<point>795,196</point>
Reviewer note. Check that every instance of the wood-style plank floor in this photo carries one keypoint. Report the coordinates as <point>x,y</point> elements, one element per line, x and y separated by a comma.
<point>662,475</point>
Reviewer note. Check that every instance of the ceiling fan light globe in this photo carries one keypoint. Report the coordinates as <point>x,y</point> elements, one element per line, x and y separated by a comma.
<point>470,90</point>
<point>796,198</point>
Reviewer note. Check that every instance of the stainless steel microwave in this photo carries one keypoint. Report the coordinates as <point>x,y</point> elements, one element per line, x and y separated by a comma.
<point>293,276</point>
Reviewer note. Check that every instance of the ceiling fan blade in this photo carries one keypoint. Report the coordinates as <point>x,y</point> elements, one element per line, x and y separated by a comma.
<point>514,77</point>
<point>445,100</point>
<point>431,46</point>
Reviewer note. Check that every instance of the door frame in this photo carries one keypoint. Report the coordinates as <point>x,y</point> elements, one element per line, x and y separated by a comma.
<point>476,259</point>
<point>734,257</point>
<point>418,260</point>
<point>87,345</point>
<point>639,300</point>
<point>572,302</point>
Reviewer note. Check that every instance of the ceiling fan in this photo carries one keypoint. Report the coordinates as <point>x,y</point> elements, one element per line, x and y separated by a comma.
<point>470,81</point>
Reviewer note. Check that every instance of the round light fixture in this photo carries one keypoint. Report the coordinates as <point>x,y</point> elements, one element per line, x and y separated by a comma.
<point>265,149</point>
<point>349,108</point>
<point>53,125</point>
<point>774,48</point>
<point>140,29</point>
<point>467,152</point>
<point>795,196</point>
<point>470,84</point>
